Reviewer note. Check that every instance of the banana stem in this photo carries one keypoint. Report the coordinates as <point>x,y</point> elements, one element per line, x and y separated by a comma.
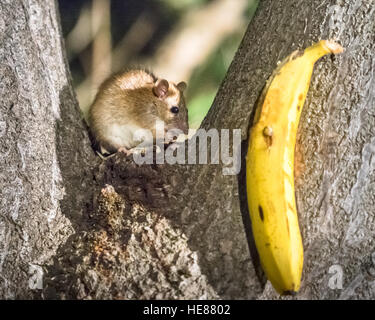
<point>322,48</point>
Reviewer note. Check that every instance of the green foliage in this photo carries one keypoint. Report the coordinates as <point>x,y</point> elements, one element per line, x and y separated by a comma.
<point>183,4</point>
<point>198,108</point>
<point>206,79</point>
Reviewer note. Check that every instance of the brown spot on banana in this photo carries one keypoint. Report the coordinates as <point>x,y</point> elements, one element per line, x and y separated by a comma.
<point>289,292</point>
<point>261,215</point>
<point>268,133</point>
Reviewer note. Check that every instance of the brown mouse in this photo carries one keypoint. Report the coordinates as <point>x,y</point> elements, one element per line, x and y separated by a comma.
<point>133,100</point>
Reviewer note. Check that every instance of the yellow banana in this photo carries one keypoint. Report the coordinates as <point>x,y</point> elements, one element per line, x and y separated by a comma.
<point>270,166</point>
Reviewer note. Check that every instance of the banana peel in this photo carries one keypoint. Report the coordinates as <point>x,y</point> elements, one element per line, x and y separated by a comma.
<point>270,167</point>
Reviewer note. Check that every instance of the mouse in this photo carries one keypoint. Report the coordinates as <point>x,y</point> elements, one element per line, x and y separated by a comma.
<point>127,103</point>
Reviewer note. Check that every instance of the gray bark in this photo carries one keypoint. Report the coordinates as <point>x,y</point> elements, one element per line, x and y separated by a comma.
<point>335,191</point>
<point>72,226</point>
<point>45,156</point>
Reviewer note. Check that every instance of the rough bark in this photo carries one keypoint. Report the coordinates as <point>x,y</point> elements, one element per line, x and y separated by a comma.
<point>45,155</point>
<point>77,227</point>
<point>335,191</point>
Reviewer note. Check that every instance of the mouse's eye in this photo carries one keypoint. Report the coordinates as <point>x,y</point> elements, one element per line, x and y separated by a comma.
<point>175,109</point>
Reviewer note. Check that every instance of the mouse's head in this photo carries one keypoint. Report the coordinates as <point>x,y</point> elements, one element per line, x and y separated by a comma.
<point>171,106</point>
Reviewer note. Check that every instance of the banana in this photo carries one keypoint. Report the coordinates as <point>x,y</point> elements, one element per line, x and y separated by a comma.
<point>270,167</point>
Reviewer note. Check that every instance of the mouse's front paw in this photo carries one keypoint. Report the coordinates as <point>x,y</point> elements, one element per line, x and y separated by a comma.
<point>126,151</point>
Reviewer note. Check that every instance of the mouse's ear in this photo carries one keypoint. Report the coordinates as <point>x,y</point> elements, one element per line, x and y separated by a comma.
<point>181,86</point>
<point>160,88</point>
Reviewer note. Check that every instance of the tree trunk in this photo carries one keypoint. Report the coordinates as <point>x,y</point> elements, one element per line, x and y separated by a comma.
<point>46,160</point>
<point>73,226</point>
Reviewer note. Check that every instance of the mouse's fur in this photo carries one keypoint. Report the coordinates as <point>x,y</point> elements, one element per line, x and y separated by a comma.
<point>135,100</point>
